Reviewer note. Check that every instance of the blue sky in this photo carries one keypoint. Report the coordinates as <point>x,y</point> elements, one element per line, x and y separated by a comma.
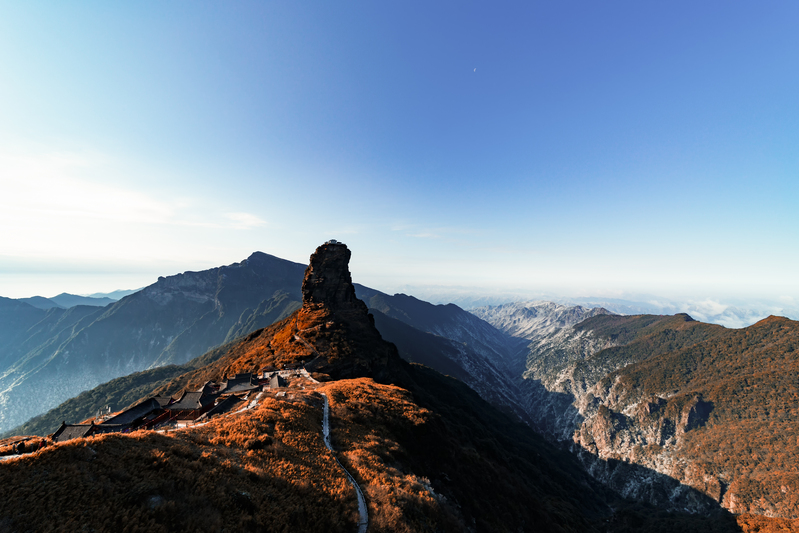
<point>581,148</point>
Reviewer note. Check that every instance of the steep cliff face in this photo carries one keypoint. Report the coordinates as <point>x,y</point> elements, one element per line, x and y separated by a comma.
<point>548,346</point>
<point>327,284</point>
<point>543,330</point>
<point>675,412</point>
<point>333,324</point>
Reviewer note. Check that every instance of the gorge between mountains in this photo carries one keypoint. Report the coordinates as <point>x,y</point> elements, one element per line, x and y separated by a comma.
<point>528,416</point>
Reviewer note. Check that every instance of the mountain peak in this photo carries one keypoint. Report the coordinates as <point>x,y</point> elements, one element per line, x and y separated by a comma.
<point>332,334</point>
<point>328,282</point>
<point>334,322</point>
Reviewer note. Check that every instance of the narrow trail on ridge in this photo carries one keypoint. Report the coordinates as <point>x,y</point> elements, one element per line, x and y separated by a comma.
<point>363,521</point>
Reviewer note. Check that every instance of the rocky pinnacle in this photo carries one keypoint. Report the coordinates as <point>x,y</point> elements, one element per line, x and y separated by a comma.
<point>328,282</point>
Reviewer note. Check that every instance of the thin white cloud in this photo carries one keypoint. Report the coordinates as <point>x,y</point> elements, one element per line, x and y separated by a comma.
<point>44,187</point>
<point>55,205</point>
<point>709,307</point>
<point>245,220</point>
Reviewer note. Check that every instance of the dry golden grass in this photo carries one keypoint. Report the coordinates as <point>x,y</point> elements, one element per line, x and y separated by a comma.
<point>30,443</point>
<point>262,470</point>
<point>750,441</point>
<point>398,500</point>
<point>450,467</point>
<point>761,524</point>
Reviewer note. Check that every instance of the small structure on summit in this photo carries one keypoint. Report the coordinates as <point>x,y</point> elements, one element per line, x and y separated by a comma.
<point>277,382</point>
<point>75,431</point>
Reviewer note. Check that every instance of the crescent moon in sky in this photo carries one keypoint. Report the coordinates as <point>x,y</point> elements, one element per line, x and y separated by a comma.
<point>475,70</point>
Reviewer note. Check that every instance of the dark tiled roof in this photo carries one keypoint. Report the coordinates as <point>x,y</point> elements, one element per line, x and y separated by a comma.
<point>240,383</point>
<point>137,411</point>
<point>209,387</point>
<point>240,387</point>
<point>190,401</point>
<point>228,404</point>
<point>72,431</point>
<point>162,400</point>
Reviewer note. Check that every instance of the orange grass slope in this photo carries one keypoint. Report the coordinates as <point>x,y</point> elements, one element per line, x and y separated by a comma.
<point>761,524</point>
<point>265,469</point>
<point>422,470</point>
<point>746,454</point>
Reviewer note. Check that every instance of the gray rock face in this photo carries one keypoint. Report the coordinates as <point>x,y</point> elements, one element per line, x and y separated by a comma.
<point>625,440</point>
<point>534,320</point>
<point>546,354</point>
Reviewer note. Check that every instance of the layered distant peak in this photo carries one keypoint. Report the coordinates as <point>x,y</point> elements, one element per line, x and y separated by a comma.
<point>328,281</point>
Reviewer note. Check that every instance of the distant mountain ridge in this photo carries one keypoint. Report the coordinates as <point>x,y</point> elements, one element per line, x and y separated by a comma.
<point>40,302</point>
<point>71,300</point>
<point>474,352</point>
<point>48,356</point>
<point>114,295</point>
<point>65,301</point>
<point>534,319</point>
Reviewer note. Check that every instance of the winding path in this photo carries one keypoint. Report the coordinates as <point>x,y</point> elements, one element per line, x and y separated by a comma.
<point>363,521</point>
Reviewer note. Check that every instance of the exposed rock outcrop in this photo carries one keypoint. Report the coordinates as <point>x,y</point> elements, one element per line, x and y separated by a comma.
<point>332,334</point>
<point>334,322</point>
<point>327,283</point>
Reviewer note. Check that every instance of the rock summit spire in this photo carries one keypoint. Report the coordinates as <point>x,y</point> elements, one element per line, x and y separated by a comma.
<point>328,282</point>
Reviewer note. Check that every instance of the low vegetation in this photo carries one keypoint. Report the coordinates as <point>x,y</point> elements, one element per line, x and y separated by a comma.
<point>267,470</point>
<point>745,452</point>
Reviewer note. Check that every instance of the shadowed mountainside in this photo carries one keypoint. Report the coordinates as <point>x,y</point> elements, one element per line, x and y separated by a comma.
<point>49,356</point>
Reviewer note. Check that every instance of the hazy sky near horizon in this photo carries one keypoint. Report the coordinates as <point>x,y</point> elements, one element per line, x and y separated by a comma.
<point>592,148</point>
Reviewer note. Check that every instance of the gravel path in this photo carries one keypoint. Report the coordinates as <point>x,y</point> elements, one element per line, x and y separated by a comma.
<point>363,521</point>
